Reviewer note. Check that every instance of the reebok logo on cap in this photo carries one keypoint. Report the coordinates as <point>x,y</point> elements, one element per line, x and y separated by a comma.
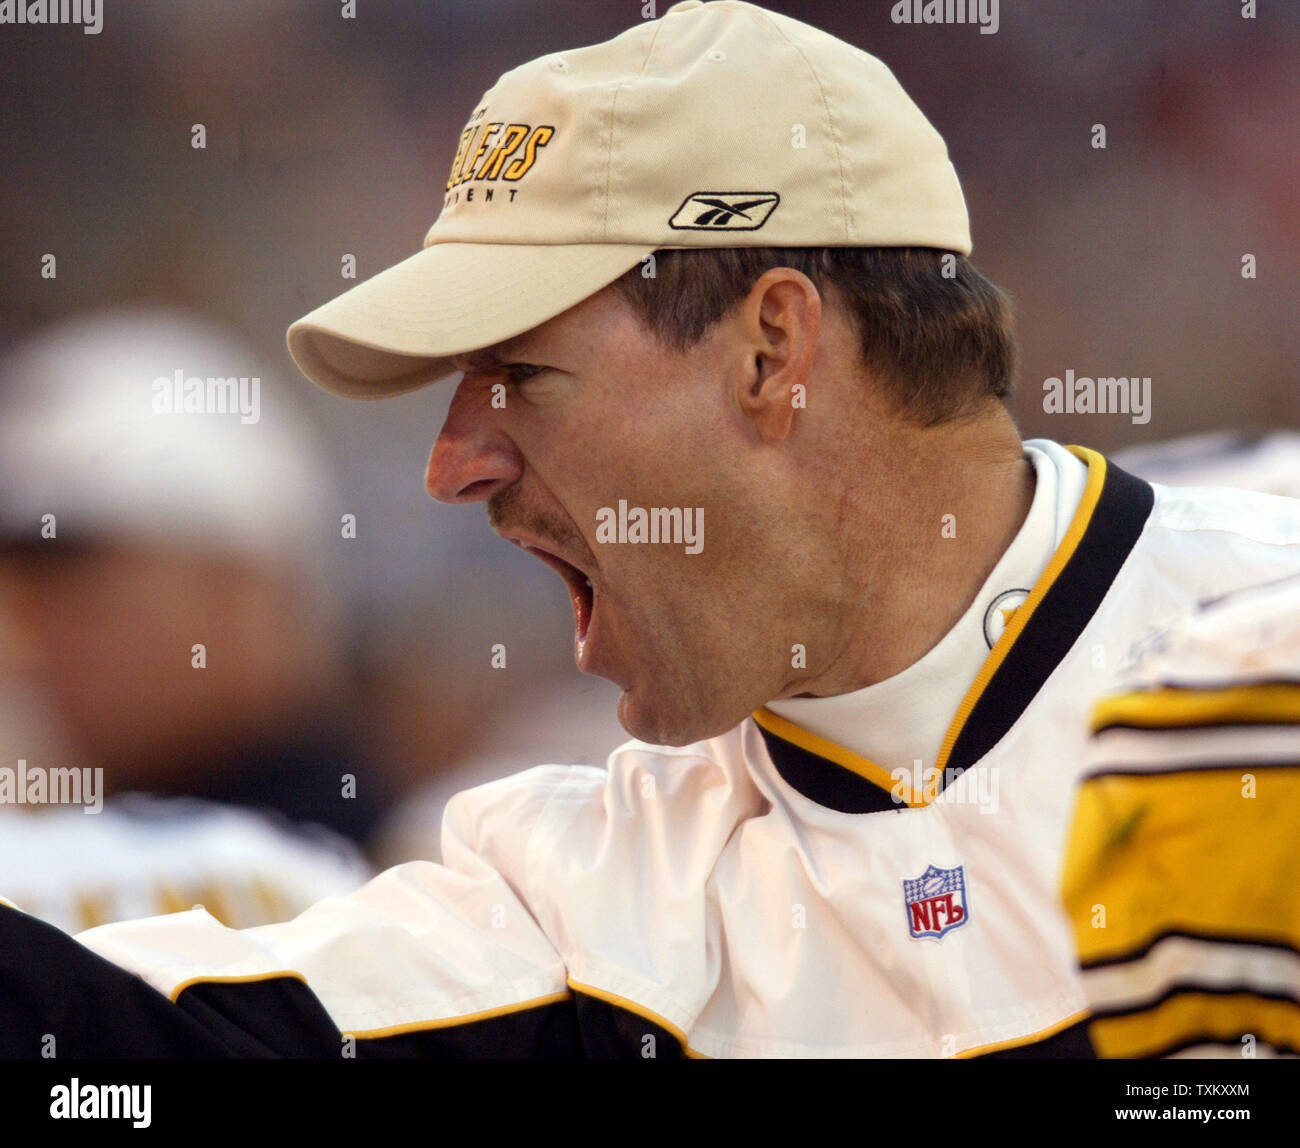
<point>732,210</point>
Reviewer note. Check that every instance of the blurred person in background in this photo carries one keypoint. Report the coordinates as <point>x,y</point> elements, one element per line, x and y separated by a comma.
<point>1267,463</point>
<point>167,618</point>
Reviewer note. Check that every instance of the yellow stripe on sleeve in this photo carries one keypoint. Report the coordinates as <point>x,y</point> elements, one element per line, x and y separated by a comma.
<point>1275,702</point>
<point>1193,1017</point>
<point>1211,851</point>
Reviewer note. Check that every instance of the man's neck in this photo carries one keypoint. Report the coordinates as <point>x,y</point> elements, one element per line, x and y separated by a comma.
<point>938,508</point>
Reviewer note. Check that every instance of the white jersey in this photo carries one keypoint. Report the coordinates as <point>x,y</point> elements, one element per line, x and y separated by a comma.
<point>767,892</point>
<point>1182,876</point>
<point>142,855</point>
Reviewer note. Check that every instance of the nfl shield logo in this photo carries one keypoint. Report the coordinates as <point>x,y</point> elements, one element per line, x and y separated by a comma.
<point>935,901</point>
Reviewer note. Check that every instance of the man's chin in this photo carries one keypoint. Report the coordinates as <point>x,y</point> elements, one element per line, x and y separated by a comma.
<point>665,724</point>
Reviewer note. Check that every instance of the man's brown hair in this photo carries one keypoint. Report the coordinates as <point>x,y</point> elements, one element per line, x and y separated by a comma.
<point>933,330</point>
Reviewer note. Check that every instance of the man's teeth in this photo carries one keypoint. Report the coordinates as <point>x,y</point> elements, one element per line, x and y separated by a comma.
<point>588,581</point>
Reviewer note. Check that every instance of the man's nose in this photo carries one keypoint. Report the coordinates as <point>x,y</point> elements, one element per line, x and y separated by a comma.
<point>473,457</point>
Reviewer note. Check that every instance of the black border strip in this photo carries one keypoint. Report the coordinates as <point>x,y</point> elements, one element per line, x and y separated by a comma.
<point>1185,768</point>
<point>1188,935</point>
<point>1207,686</point>
<point>1202,1039</point>
<point>1166,724</point>
<point>1194,988</point>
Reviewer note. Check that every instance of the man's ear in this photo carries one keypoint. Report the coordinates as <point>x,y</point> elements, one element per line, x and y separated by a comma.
<point>779,322</point>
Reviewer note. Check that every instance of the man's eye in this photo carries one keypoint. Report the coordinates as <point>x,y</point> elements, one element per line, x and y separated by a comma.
<point>521,372</point>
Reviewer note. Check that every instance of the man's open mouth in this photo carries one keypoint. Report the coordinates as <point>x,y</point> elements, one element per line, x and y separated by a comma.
<point>582,593</point>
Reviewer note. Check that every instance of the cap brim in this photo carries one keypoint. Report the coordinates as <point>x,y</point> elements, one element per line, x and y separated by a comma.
<point>399,331</point>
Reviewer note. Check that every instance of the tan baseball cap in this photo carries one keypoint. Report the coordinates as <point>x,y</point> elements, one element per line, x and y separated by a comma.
<point>718,125</point>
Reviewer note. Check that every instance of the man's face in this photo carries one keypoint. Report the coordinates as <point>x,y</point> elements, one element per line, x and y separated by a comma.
<point>590,409</point>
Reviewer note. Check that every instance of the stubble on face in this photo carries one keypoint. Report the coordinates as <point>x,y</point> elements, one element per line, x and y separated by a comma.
<point>509,514</point>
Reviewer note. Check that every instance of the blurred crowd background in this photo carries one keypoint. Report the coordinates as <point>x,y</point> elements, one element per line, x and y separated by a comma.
<point>371,657</point>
